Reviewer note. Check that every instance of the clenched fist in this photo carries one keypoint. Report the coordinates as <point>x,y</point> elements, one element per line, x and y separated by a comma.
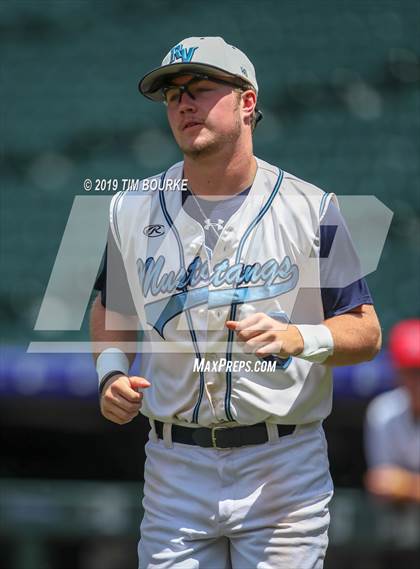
<point>264,336</point>
<point>120,399</point>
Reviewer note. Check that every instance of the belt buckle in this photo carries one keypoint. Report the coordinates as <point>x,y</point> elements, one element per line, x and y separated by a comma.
<point>214,439</point>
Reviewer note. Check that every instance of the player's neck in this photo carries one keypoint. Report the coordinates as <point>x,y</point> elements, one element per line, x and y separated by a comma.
<point>222,174</point>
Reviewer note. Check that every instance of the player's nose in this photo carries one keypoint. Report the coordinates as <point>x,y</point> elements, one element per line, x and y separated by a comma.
<point>186,102</point>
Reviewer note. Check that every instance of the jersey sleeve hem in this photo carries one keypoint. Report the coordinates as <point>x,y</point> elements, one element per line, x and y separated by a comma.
<point>348,308</point>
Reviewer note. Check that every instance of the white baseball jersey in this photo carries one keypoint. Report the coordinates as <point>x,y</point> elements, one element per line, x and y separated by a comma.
<point>392,434</point>
<point>265,260</point>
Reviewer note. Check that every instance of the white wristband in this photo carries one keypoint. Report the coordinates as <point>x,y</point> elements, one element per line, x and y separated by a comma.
<point>318,343</point>
<point>109,362</point>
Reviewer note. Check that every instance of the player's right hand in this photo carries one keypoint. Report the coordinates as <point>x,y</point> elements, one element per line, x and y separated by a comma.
<point>120,399</point>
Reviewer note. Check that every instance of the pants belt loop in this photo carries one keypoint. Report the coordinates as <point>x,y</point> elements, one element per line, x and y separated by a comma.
<point>153,435</point>
<point>167,435</point>
<point>272,432</point>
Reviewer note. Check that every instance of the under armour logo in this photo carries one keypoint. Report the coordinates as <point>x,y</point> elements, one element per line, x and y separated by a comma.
<point>218,225</point>
<point>154,230</point>
<point>182,53</point>
<point>244,71</point>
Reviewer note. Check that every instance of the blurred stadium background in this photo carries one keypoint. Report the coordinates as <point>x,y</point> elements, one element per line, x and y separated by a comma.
<point>340,93</point>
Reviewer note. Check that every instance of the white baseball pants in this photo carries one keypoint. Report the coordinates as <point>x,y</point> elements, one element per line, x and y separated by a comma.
<point>255,507</point>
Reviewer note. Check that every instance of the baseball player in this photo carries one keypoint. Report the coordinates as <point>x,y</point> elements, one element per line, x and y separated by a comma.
<point>246,290</point>
<point>392,426</point>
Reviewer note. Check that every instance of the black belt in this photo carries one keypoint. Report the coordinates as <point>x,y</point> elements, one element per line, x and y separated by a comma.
<point>220,437</point>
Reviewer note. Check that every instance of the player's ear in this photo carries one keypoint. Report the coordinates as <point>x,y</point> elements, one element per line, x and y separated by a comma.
<point>248,103</point>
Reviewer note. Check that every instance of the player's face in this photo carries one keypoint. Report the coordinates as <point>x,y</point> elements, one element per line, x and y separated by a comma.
<point>205,116</point>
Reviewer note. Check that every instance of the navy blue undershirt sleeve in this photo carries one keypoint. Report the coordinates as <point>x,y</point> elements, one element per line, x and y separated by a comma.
<point>339,264</point>
<point>121,300</point>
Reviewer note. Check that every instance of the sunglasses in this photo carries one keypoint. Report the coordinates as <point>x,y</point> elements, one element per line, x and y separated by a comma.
<point>172,94</point>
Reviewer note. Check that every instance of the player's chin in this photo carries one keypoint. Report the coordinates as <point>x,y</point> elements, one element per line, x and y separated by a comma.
<point>193,147</point>
<point>200,145</point>
<point>193,136</point>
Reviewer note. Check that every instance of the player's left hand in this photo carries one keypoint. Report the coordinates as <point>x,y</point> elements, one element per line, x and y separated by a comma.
<point>264,336</point>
